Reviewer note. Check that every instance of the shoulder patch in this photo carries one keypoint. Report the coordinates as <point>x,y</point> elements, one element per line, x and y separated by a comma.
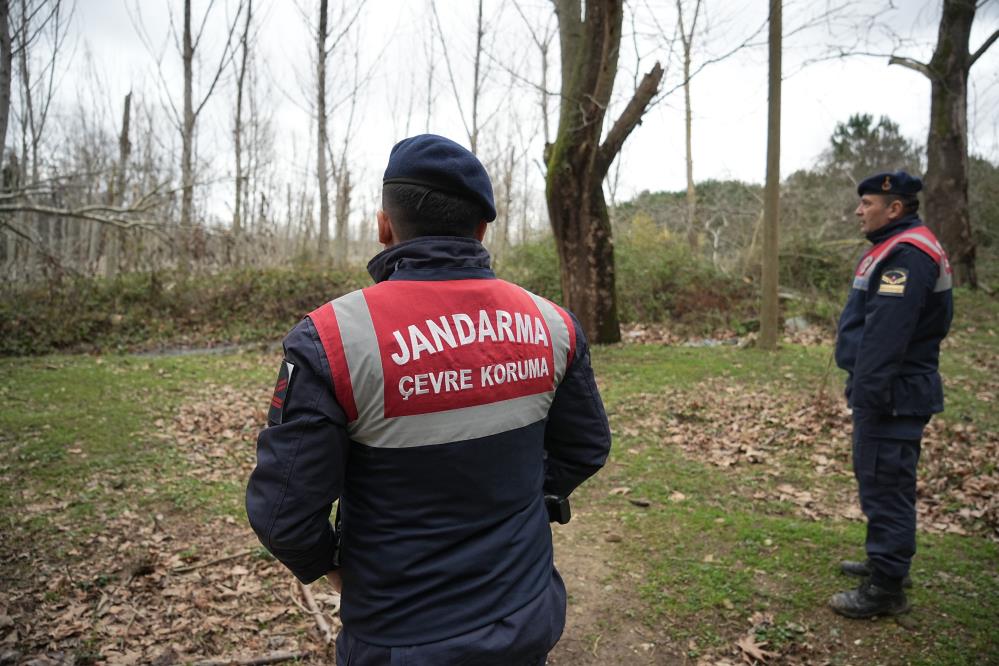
<point>893,282</point>
<point>282,391</point>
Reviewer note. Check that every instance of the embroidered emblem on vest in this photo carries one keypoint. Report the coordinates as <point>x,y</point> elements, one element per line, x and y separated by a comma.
<point>893,282</point>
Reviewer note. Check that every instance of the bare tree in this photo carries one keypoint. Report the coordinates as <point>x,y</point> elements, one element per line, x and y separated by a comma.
<point>687,39</point>
<point>188,42</point>
<point>342,172</point>
<point>6,67</point>
<point>542,40</point>
<point>237,131</point>
<point>947,142</point>
<point>116,193</point>
<point>431,62</point>
<point>321,129</point>
<point>472,125</point>
<point>477,82</point>
<point>578,161</point>
<point>192,111</point>
<point>769,314</point>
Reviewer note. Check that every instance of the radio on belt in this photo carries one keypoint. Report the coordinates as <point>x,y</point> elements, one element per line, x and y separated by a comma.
<point>558,509</point>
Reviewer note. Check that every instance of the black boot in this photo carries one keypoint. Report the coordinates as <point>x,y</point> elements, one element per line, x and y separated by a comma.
<point>869,600</point>
<point>863,570</point>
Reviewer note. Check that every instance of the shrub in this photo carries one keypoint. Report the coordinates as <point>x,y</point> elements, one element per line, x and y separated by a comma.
<point>156,309</point>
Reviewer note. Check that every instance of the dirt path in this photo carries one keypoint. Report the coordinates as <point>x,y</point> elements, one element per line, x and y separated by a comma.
<point>601,624</point>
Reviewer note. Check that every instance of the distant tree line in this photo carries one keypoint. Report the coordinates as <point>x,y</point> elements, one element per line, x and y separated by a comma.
<point>102,186</point>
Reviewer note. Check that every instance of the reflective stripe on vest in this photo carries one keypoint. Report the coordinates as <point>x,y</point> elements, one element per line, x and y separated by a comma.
<point>921,238</point>
<point>416,363</point>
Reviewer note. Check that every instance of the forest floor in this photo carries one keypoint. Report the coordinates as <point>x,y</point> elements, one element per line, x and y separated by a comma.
<point>712,536</point>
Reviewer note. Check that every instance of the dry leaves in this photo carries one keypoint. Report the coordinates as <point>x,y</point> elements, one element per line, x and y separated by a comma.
<point>785,434</point>
<point>158,587</point>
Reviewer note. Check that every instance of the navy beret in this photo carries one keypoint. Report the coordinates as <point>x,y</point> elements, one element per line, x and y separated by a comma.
<point>899,183</point>
<point>441,164</point>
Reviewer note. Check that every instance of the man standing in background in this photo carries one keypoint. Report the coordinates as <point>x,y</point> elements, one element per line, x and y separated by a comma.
<point>898,312</point>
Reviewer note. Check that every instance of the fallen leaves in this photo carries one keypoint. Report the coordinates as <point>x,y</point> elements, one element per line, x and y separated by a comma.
<point>775,431</point>
<point>159,587</point>
<point>752,650</point>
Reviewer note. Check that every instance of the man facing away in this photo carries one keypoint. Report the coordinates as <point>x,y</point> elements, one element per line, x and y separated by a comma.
<point>449,412</point>
<point>889,336</point>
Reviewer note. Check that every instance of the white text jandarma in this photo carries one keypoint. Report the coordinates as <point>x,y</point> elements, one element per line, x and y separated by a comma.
<point>460,329</point>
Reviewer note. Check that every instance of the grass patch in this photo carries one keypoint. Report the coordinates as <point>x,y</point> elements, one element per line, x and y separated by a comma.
<point>83,430</point>
<point>714,547</point>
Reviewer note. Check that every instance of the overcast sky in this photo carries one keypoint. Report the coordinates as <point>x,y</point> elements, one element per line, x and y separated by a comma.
<point>729,97</point>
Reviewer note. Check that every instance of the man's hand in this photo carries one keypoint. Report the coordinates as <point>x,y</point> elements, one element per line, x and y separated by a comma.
<point>335,580</point>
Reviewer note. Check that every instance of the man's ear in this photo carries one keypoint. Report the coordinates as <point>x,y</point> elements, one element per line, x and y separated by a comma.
<point>480,231</point>
<point>386,235</point>
<point>895,209</point>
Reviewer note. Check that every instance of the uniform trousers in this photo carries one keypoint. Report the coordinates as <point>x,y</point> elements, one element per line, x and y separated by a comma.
<point>522,638</point>
<point>885,469</point>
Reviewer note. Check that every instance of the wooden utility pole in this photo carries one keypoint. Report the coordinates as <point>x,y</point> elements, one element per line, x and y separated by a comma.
<point>769,309</point>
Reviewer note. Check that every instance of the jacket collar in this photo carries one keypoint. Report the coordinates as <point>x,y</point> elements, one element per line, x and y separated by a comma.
<point>896,227</point>
<point>432,258</point>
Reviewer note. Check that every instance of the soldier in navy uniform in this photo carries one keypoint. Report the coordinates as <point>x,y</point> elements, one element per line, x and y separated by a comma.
<point>451,414</point>
<point>898,312</point>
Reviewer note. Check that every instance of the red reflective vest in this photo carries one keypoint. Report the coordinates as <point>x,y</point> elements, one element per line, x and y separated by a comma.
<point>920,237</point>
<point>416,363</point>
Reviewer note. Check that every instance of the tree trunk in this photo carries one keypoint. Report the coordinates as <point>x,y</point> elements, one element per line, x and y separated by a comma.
<point>321,136</point>
<point>237,132</point>
<point>6,67</point>
<point>473,139</point>
<point>113,238</point>
<point>946,199</point>
<point>343,191</point>
<point>578,162</point>
<point>769,310</point>
<point>687,38</point>
<point>187,143</point>
<point>947,143</point>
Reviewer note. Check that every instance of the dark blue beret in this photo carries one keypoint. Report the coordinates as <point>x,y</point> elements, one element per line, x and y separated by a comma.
<point>899,183</point>
<point>441,164</point>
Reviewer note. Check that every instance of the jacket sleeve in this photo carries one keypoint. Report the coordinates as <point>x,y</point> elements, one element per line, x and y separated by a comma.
<point>300,464</point>
<point>890,322</point>
<point>577,435</point>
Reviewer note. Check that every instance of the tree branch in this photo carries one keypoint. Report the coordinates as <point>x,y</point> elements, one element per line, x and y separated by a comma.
<point>630,118</point>
<point>983,48</point>
<point>911,64</point>
<point>112,215</point>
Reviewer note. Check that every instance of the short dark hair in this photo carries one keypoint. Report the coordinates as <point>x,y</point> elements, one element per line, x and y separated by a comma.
<point>416,211</point>
<point>910,202</point>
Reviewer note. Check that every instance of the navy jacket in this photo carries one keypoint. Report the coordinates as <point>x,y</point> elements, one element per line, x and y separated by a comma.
<point>437,539</point>
<point>889,337</point>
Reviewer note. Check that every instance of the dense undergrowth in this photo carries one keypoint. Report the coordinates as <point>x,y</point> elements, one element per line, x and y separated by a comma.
<point>658,280</point>
<point>149,310</point>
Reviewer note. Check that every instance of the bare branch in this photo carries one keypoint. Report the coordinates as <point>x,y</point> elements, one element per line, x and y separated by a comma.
<point>911,64</point>
<point>450,71</point>
<point>630,118</point>
<point>227,54</point>
<point>983,48</point>
<point>343,33</point>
